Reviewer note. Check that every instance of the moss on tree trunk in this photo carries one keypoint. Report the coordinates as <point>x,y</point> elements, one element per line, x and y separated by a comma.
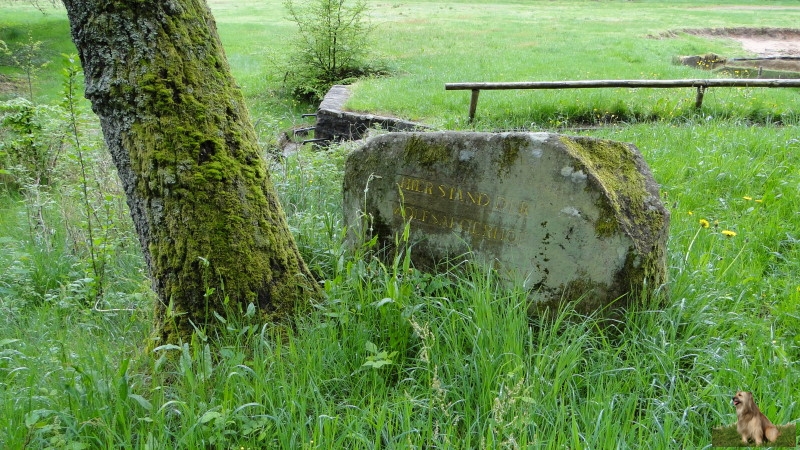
<point>180,135</point>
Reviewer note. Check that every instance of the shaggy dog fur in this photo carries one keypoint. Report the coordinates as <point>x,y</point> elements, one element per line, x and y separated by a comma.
<point>752,424</point>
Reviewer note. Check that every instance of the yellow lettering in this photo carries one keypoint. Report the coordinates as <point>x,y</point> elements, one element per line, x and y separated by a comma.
<point>470,227</point>
<point>444,222</point>
<point>413,184</point>
<point>480,198</point>
<point>464,225</point>
<point>500,203</point>
<point>523,208</point>
<point>490,231</point>
<point>442,190</point>
<point>456,194</point>
<point>404,183</point>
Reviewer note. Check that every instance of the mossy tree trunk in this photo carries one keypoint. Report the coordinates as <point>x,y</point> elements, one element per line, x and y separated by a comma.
<point>180,135</point>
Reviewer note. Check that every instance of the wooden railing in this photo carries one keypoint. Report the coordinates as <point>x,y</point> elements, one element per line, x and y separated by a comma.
<point>700,84</point>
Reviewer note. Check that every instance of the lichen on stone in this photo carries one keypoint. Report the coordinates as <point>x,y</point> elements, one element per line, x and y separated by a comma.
<point>425,152</point>
<point>615,169</point>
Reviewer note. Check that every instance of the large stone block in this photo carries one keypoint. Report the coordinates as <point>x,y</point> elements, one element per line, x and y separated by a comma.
<point>335,124</point>
<point>572,219</point>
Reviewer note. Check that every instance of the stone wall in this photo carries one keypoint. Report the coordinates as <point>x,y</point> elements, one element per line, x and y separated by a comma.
<point>335,124</point>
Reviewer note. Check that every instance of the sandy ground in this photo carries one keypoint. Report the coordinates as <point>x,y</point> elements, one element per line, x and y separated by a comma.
<point>780,46</point>
<point>762,41</point>
<point>764,46</point>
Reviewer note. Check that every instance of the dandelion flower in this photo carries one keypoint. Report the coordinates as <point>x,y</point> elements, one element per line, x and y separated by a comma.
<point>729,233</point>
<point>747,197</point>
<point>704,223</point>
<point>690,213</point>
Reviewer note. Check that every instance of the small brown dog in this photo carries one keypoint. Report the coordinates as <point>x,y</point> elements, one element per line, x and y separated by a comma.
<point>752,424</point>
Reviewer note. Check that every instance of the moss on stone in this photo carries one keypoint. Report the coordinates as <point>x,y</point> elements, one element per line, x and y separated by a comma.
<point>425,152</point>
<point>606,224</point>
<point>617,169</point>
<point>510,152</point>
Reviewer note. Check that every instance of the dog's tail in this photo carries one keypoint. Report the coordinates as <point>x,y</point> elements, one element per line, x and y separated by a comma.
<point>772,433</point>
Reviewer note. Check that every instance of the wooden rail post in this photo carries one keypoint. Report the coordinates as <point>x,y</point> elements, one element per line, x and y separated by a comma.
<point>473,103</point>
<point>701,90</point>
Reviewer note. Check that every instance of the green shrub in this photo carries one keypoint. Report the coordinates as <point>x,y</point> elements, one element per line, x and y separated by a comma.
<point>31,142</point>
<point>332,46</point>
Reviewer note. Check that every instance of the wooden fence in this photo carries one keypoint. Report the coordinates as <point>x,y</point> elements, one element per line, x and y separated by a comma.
<point>700,84</point>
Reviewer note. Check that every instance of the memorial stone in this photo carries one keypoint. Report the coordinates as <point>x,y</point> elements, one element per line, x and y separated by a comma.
<point>570,218</point>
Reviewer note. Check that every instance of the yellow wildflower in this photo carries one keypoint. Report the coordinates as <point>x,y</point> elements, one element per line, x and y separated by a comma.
<point>690,213</point>
<point>704,223</point>
<point>729,233</point>
<point>747,197</point>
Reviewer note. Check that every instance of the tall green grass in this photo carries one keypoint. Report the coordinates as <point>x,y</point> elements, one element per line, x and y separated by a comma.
<point>463,364</point>
<point>398,358</point>
<point>19,26</point>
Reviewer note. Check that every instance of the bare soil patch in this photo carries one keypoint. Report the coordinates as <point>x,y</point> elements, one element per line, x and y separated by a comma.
<point>776,51</point>
<point>764,42</point>
<point>8,85</point>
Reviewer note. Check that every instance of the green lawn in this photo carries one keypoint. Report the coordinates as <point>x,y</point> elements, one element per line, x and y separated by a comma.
<point>398,358</point>
<point>442,42</point>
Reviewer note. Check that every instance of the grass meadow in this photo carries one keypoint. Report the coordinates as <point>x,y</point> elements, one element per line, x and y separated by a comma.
<point>394,357</point>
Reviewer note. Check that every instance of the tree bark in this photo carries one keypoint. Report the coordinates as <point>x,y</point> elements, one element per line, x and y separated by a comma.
<point>208,219</point>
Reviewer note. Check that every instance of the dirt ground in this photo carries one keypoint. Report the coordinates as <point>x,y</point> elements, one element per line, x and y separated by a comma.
<point>781,46</point>
<point>770,46</point>
<point>764,42</point>
<point>7,85</point>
